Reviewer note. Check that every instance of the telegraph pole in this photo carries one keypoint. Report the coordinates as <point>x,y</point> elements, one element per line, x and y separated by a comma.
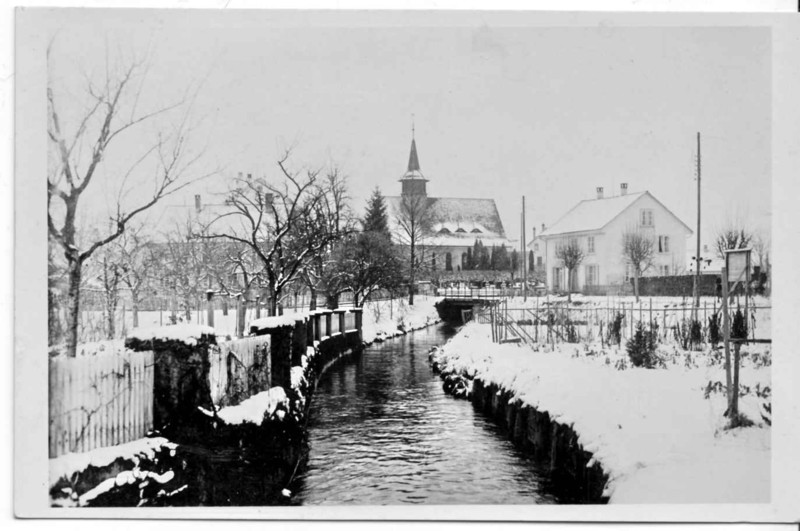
<point>696,306</point>
<point>524,256</point>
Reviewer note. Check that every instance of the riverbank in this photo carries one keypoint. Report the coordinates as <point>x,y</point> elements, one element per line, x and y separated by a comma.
<point>112,475</point>
<point>658,434</point>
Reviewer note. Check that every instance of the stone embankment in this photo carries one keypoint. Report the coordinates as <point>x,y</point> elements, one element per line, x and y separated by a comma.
<point>574,475</point>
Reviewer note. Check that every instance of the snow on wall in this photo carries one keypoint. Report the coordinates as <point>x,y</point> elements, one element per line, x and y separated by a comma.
<point>67,465</point>
<point>277,321</point>
<point>255,408</point>
<point>186,333</point>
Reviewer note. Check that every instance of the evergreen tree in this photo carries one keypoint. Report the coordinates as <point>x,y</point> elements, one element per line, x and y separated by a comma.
<point>476,255</point>
<point>375,218</point>
<point>514,265</point>
<point>470,261</point>
<point>493,256</point>
<point>502,262</point>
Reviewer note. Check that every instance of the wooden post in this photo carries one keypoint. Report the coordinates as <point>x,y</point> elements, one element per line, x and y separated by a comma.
<point>651,313</point>
<point>726,337</point>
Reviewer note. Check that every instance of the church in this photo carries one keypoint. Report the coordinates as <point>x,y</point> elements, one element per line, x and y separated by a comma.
<point>454,222</point>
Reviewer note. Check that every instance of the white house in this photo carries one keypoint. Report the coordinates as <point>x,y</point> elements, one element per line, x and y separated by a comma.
<point>598,225</point>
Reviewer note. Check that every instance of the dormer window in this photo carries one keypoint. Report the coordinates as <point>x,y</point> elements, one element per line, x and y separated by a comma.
<point>476,231</point>
<point>460,230</point>
<point>444,230</point>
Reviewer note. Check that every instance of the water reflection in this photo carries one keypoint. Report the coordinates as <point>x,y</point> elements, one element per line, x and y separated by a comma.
<point>382,431</point>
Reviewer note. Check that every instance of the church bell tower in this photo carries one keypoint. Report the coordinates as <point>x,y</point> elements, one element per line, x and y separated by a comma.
<point>413,181</point>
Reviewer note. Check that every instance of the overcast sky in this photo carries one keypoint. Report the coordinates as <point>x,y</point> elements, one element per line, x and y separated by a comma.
<point>500,112</point>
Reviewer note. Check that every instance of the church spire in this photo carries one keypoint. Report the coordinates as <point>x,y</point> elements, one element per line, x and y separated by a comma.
<point>413,159</point>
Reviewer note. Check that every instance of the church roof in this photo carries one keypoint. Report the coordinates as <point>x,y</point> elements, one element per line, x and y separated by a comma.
<point>458,219</point>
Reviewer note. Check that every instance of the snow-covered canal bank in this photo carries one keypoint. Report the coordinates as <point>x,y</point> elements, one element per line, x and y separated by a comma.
<point>659,434</point>
<point>382,431</point>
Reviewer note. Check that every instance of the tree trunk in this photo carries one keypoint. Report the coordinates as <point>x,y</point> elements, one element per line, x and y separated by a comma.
<point>241,309</point>
<point>135,307</point>
<point>569,285</point>
<point>111,309</point>
<point>73,306</point>
<point>312,302</point>
<point>636,285</point>
<point>411,276</point>
<point>54,331</point>
<point>225,306</point>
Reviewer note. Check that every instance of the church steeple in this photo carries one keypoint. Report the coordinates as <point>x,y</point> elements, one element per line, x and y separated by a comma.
<point>413,159</point>
<point>413,180</point>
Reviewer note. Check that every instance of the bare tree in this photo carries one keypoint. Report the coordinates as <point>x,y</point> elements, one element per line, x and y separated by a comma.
<point>329,218</point>
<point>112,111</point>
<point>274,220</point>
<point>571,255</point>
<point>414,217</point>
<point>638,250</point>
<point>732,236</point>
<point>137,262</point>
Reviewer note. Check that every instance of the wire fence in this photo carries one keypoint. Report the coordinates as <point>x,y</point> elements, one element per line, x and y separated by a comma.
<point>563,323</point>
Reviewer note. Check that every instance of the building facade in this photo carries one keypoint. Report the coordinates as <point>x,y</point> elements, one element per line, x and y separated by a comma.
<point>598,226</point>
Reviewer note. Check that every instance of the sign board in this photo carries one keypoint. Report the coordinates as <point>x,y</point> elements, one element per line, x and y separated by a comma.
<point>737,262</point>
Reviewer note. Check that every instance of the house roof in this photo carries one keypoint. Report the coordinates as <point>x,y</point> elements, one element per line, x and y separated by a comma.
<point>459,219</point>
<point>594,214</point>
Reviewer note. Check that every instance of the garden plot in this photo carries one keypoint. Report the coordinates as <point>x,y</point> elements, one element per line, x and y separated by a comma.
<point>660,434</point>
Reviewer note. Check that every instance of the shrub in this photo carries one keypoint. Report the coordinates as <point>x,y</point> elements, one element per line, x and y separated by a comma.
<point>695,333</point>
<point>615,329</point>
<point>570,332</point>
<point>739,326</point>
<point>714,334</point>
<point>641,347</point>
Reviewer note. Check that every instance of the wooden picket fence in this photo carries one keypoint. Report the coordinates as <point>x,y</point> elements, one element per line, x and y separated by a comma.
<point>100,400</point>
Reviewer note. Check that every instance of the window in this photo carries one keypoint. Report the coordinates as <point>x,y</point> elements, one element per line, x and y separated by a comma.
<point>460,230</point>
<point>628,272</point>
<point>539,261</point>
<point>476,231</point>
<point>646,217</point>
<point>444,230</point>
<point>448,262</point>
<point>663,244</point>
<point>535,246</point>
<point>590,244</point>
<point>664,270</point>
<point>592,275</point>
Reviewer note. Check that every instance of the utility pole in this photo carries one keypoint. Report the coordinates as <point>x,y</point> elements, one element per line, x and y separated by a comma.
<point>696,305</point>
<point>524,256</point>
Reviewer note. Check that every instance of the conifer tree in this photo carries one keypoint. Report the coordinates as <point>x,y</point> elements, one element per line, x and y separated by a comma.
<point>375,218</point>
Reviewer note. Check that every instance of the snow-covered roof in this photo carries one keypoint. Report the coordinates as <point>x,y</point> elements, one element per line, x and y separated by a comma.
<point>594,214</point>
<point>458,217</point>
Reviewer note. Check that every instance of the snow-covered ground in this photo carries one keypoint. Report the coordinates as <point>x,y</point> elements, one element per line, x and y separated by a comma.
<point>659,433</point>
<point>385,319</point>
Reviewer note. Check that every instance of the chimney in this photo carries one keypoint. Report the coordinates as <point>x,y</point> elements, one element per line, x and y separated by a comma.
<point>198,205</point>
<point>249,176</point>
<point>623,188</point>
<point>240,175</point>
<point>599,192</point>
<point>543,227</point>
<point>534,233</point>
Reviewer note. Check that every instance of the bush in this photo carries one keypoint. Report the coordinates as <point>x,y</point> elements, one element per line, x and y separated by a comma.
<point>739,326</point>
<point>641,347</point>
<point>714,334</point>
<point>695,333</point>
<point>615,329</point>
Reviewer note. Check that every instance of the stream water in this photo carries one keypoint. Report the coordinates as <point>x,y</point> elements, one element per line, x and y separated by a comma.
<point>382,431</point>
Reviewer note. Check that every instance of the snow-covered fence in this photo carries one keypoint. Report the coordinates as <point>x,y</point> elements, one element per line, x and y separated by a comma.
<point>100,400</point>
